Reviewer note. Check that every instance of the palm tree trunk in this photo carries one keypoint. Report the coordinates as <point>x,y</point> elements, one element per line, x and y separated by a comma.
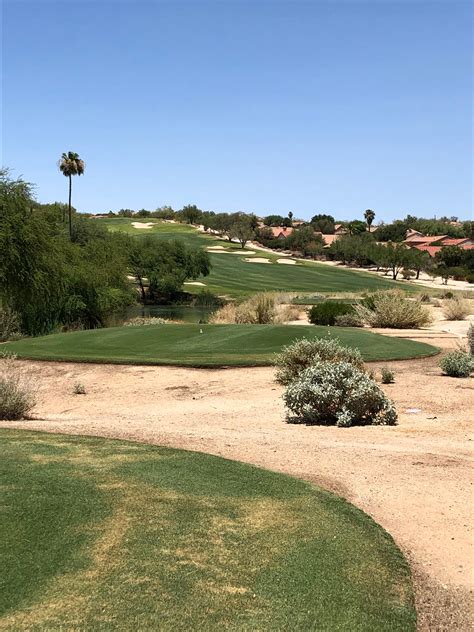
<point>69,209</point>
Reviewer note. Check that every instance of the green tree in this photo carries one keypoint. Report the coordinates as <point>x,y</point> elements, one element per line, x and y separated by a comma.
<point>70,164</point>
<point>356,227</point>
<point>190,214</point>
<point>242,230</point>
<point>166,265</point>
<point>369,217</point>
<point>323,223</point>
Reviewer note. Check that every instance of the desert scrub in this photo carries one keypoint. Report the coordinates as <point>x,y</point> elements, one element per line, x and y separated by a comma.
<point>456,309</point>
<point>295,358</point>
<point>457,364</point>
<point>17,394</point>
<point>337,393</point>
<point>327,312</point>
<point>9,325</point>
<point>79,389</point>
<point>286,313</point>
<point>260,309</point>
<point>387,375</point>
<point>139,321</point>
<point>392,309</point>
<point>348,320</point>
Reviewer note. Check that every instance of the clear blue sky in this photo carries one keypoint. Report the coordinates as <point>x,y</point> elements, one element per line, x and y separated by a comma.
<point>259,105</point>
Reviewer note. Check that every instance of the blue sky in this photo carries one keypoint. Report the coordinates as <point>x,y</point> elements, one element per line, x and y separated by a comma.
<point>263,106</point>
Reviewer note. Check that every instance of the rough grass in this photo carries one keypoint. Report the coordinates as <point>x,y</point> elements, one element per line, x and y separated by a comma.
<point>109,535</point>
<point>217,345</point>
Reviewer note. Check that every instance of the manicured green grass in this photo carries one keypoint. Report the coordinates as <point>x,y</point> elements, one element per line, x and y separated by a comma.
<point>217,345</point>
<point>109,535</point>
<point>232,276</point>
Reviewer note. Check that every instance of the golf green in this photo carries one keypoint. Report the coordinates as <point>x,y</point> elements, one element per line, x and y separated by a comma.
<point>110,535</point>
<point>204,345</point>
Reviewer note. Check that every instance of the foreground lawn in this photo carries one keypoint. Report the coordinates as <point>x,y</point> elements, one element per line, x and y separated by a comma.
<point>232,276</point>
<point>109,535</point>
<point>217,345</point>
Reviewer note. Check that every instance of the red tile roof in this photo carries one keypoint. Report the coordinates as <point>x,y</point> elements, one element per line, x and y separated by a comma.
<point>281,231</point>
<point>456,242</point>
<point>431,250</point>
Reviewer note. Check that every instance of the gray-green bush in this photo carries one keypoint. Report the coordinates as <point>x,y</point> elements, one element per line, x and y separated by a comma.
<point>457,364</point>
<point>303,353</point>
<point>337,393</point>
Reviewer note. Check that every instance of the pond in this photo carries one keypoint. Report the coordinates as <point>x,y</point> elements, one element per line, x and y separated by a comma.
<point>183,313</point>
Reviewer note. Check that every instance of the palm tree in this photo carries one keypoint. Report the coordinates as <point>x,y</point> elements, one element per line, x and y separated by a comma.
<point>71,165</point>
<point>369,217</point>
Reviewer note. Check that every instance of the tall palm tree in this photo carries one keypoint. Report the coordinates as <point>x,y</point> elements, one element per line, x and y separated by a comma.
<point>369,217</point>
<point>71,165</point>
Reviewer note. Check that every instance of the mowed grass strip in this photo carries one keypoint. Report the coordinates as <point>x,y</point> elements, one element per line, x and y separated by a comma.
<point>232,276</point>
<point>109,535</point>
<point>217,345</point>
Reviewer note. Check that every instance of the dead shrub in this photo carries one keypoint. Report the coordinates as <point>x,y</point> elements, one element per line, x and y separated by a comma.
<point>17,393</point>
<point>224,315</point>
<point>456,309</point>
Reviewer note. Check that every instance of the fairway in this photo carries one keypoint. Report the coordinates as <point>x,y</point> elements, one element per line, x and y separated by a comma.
<point>110,535</point>
<point>232,276</point>
<point>217,345</point>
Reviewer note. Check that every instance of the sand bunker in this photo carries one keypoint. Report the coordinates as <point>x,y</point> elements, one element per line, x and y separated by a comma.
<point>287,261</point>
<point>226,251</point>
<point>143,224</point>
<point>215,248</point>
<point>193,283</point>
<point>257,260</point>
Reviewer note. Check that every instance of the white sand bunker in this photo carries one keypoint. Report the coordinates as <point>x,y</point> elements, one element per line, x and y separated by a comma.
<point>193,283</point>
<point>287,261</point>
<point>215,248</point>
<point>220,250</point>
<point>143,224</point>
<point>256,260</point>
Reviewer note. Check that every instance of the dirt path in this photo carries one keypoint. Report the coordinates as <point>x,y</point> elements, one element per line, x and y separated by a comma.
<point>414,479</point>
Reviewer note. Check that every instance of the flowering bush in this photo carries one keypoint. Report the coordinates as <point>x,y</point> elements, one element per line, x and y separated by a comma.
<point>303,353</point>
<point>457,364</point>
<point>337,393</point>
<point>392,308</point>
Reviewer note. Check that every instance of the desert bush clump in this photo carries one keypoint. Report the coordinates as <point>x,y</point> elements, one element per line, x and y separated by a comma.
<point>303,353</point>
<point>337,393</point>
<point>425,298</point>
<point>457,364</point>
<point>348,320</point>
<point>327,312</point>
<point>260,309</point>
<point>79,389</point>
<point>393,309</point>
<point>17,395</point>
<point>224,315</point>
<point>286,313</point>
<point>9,325</point>
<point>388,376</point>
<point>456,309</point>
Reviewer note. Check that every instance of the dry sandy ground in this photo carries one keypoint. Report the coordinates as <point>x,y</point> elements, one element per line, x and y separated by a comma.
<point>414,479</point>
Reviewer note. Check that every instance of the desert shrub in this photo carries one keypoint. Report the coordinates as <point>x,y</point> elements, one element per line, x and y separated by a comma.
<point>286,313</point>
<point>9,324</point>
<point>392,309</point>
<point>224,315</point>
<point>304,353</point>
<point>138,321</point>
<point>17,393</point>
<point>348,320</point>
<point>447,294</point>
<point>326,313</point>
<point>79,389</point>
<point>470,339</point>
<point>457,364</point>
<point>388,376</point>
<point>407,274</point>
<point>337,393</point>
<point>259,309</point>
<point>456,309</point>
<point>425,298</point>
<point>470,277</point>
